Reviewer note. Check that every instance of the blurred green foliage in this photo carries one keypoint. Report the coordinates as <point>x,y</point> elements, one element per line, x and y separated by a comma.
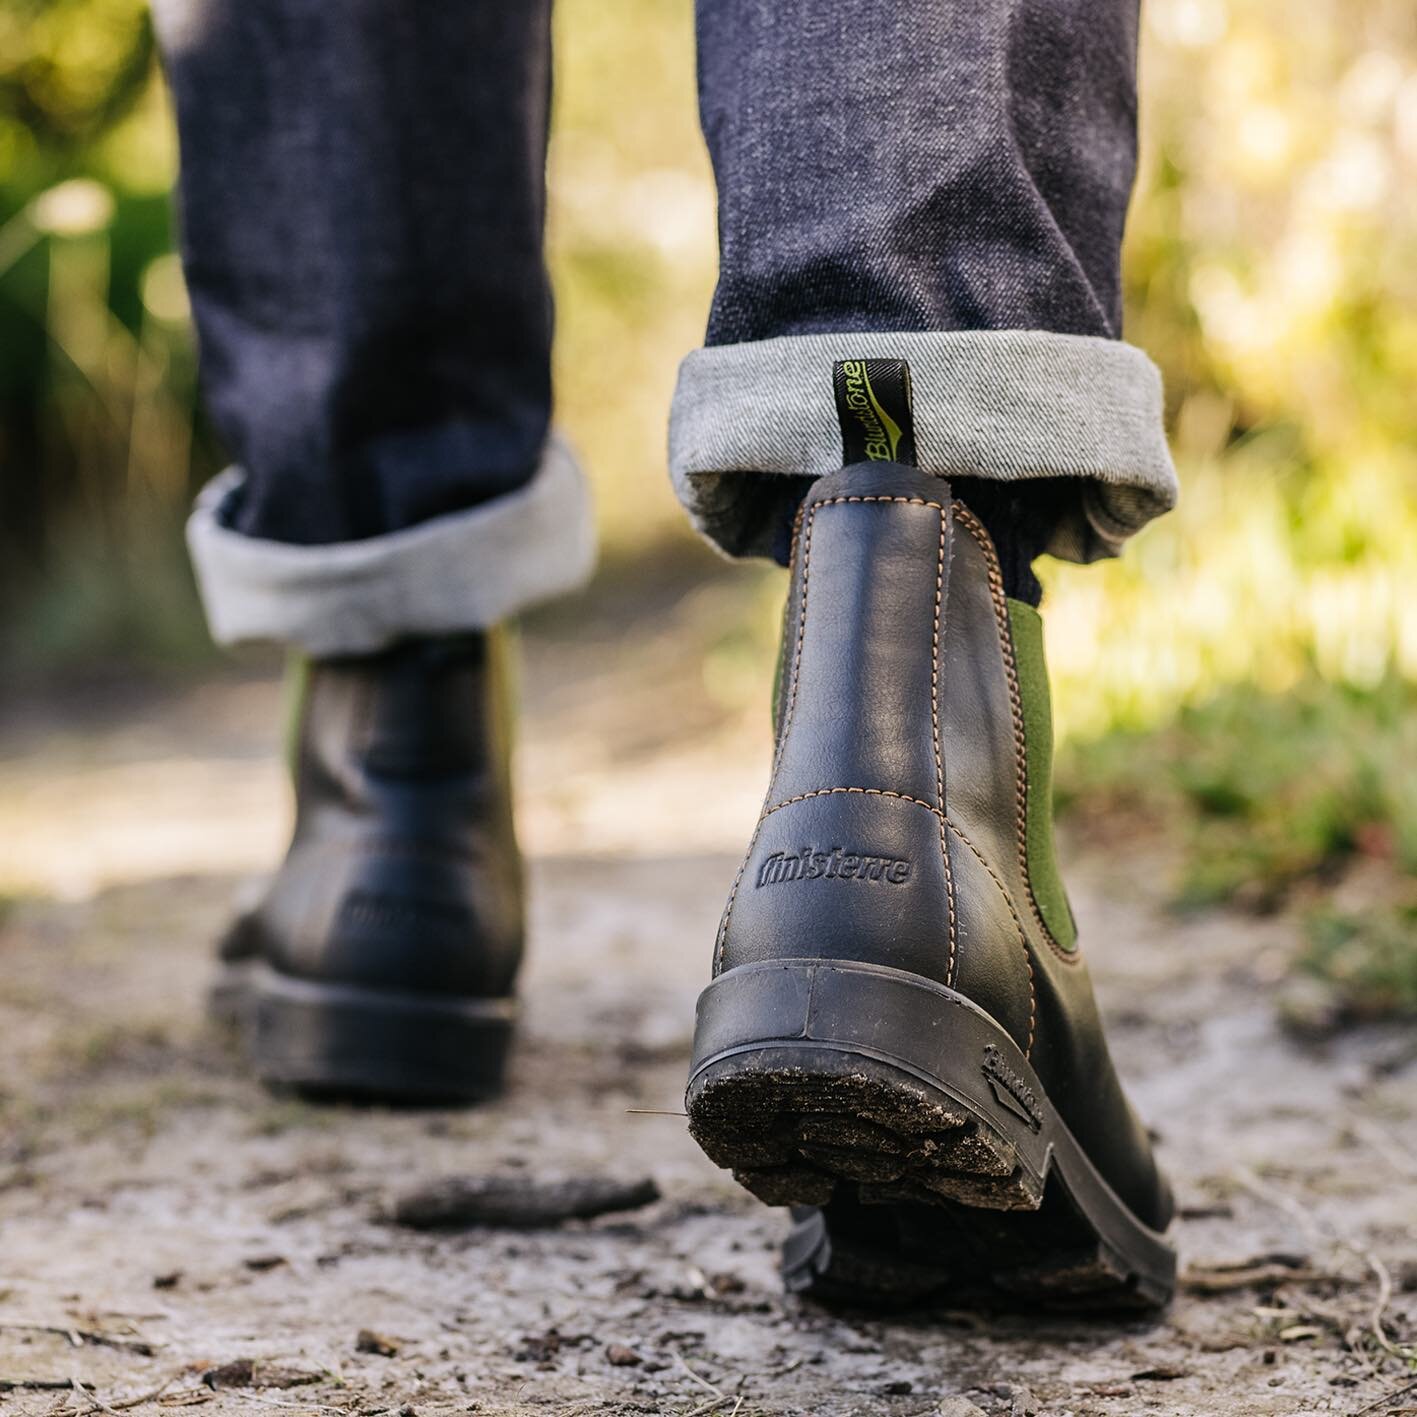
<point>1270,790</point>
<point>1272,272</point>
<point>1251,657</point>
<point>1366,959</point>
<point>99,447</point>
<point>1245,674</point>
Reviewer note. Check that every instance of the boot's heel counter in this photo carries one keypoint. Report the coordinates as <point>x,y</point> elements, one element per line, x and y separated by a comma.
<point>867,700</point>
<point>849,859</point>
<point>862,634</point>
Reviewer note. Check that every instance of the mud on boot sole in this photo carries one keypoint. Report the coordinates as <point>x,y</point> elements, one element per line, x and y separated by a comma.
<point>915,1141</point>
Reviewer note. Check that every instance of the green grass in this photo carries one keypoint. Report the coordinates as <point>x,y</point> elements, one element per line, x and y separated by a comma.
<point>1280,801</point>
<point>1367,958</point>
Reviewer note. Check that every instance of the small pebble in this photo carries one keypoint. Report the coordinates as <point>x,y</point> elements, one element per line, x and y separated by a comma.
<point>367,1341</point>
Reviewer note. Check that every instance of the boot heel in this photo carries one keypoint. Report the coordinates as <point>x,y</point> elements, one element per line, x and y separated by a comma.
<point>913,1136</point>
<point>811,1074</point>
<point>338,1040</point>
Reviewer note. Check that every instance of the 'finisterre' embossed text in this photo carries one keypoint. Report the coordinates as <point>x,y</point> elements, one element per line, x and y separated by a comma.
<point>835,864</point>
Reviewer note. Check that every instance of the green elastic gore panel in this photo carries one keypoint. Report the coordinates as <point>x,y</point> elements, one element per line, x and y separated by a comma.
<point>1043,874</point>
<point>779,673</point>
<point>295,692</point>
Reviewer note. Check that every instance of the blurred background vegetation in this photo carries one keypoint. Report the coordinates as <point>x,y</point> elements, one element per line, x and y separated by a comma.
<point>1245,679</point>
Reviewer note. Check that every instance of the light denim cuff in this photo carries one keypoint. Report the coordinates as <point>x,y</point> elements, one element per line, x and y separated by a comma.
<point>464,571</point>
<point>1011,405</point>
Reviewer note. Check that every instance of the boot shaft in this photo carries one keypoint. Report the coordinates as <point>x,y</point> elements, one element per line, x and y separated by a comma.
<point>903,784</point>
<point>419,736</point>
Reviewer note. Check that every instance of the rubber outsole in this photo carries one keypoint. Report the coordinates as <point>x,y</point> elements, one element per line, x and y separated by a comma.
<point>921,1155</point>
<point>341,1042</point>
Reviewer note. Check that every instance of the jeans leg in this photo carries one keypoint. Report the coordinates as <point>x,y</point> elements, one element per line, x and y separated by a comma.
<point>943,181</point>
<point>362,202</point>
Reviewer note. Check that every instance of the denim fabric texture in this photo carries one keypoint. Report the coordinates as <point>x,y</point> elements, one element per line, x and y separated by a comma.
<point>922,165</point>
<point>753,423</point>
<point>362,204</point>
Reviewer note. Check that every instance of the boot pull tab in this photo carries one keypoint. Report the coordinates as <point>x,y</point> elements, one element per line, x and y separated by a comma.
<point>873,402</point>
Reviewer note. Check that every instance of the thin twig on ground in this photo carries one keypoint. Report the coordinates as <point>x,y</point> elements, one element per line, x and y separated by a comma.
<point>93,1396</point>
<point>1200,1280</point>
<point>712,1405</point>
<point>80,1336</point>
<point>122,1404</point>
<point>35,1385</point>
<point>1387,1399</point>
<point>703,1382</point>
<point>1257,1188</point>
<point>1387,1146</point>
<point>277,1402</point>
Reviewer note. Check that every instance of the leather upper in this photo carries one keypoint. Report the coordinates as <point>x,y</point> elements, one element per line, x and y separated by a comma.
<point>893,830</point>
<point>403,872</point>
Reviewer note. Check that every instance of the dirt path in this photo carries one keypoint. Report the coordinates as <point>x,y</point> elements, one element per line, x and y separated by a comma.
<point>151,1195</point>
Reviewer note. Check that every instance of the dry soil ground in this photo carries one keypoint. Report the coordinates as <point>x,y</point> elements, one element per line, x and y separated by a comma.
<point>162,1217</point>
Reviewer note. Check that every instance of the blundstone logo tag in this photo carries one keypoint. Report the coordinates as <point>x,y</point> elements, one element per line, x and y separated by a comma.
<point>873,402</point>
<point>837,864</point>
<point>1010,1091</point>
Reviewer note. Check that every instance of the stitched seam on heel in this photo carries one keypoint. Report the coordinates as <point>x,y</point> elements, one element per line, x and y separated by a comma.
<point>859,791</point>
<point>967,519</point>
<point>950,913</point>
<point>1018,925</point>
<point>904,501</point>
<point>801,639</point>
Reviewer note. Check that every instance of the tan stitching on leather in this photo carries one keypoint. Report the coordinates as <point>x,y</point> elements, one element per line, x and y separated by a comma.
<point>906,501</point>
<point>733,895</point>
<point>967,519</point>
<point>801,636</point>
<point>945,821</point>
<point>950,912</point>
<point>780,705</point>
<point>861,791</point>
<point>1018,924</point>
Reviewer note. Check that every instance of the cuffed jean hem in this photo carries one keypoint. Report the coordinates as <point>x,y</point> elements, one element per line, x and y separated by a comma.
<point>750,421</point>
<point>464,571</point>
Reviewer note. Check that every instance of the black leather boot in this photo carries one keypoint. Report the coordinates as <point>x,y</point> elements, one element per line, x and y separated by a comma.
<point>380,962</point>
<point>901,1035</point>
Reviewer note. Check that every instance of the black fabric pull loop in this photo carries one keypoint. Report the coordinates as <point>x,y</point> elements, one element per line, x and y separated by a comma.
<point>874,405</point>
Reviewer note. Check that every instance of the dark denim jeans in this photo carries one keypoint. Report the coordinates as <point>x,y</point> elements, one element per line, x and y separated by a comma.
<point>362,201</point>
<point>362,198</point>
<point>919,165</point>
<point>362,204</point>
